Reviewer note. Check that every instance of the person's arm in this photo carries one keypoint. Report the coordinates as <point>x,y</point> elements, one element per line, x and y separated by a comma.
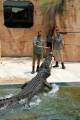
<point>42,44</point>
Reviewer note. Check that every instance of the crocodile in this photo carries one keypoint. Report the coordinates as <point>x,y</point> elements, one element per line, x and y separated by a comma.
<point>47,61</point>
<point>33,87</point>
<point>45,65</point>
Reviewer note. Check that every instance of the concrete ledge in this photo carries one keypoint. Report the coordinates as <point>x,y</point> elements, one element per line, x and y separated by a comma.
<point>18,71</point>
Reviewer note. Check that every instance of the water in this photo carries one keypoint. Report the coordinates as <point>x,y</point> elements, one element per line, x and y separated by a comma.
<point>61,104</point>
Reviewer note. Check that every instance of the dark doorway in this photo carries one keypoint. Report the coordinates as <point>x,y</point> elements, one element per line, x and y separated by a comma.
<point>18,14</point>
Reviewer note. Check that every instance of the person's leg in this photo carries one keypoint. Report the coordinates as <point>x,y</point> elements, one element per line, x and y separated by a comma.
<point>62,59</point>
<point>33,63</point>
<point>38,62</point>
<point>56,58</point>
<point>56,64</point>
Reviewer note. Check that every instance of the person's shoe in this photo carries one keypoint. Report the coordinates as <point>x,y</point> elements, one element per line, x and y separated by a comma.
<point>37,68</point>
<point>63,67</point>
<point>33,71</point>
<point>56,65</point>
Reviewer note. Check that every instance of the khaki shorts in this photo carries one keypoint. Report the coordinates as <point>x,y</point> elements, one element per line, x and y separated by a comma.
<point>57,53</point>
<point>35,55</point>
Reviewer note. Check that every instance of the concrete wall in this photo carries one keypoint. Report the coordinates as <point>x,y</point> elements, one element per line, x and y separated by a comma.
<point>18,42</point>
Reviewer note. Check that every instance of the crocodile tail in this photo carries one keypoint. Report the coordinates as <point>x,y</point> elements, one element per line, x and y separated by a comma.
<point>8,101</point>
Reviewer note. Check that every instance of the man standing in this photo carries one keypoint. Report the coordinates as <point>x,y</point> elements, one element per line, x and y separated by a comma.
<point>58,47</point>
<point>37,51</point>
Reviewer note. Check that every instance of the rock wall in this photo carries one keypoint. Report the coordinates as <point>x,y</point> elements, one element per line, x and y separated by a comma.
<point>71,22</point>
<point>18,42</point>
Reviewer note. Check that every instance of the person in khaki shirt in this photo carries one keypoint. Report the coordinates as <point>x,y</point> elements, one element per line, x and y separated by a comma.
<point>58,47</point>
<point>37,51</point>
